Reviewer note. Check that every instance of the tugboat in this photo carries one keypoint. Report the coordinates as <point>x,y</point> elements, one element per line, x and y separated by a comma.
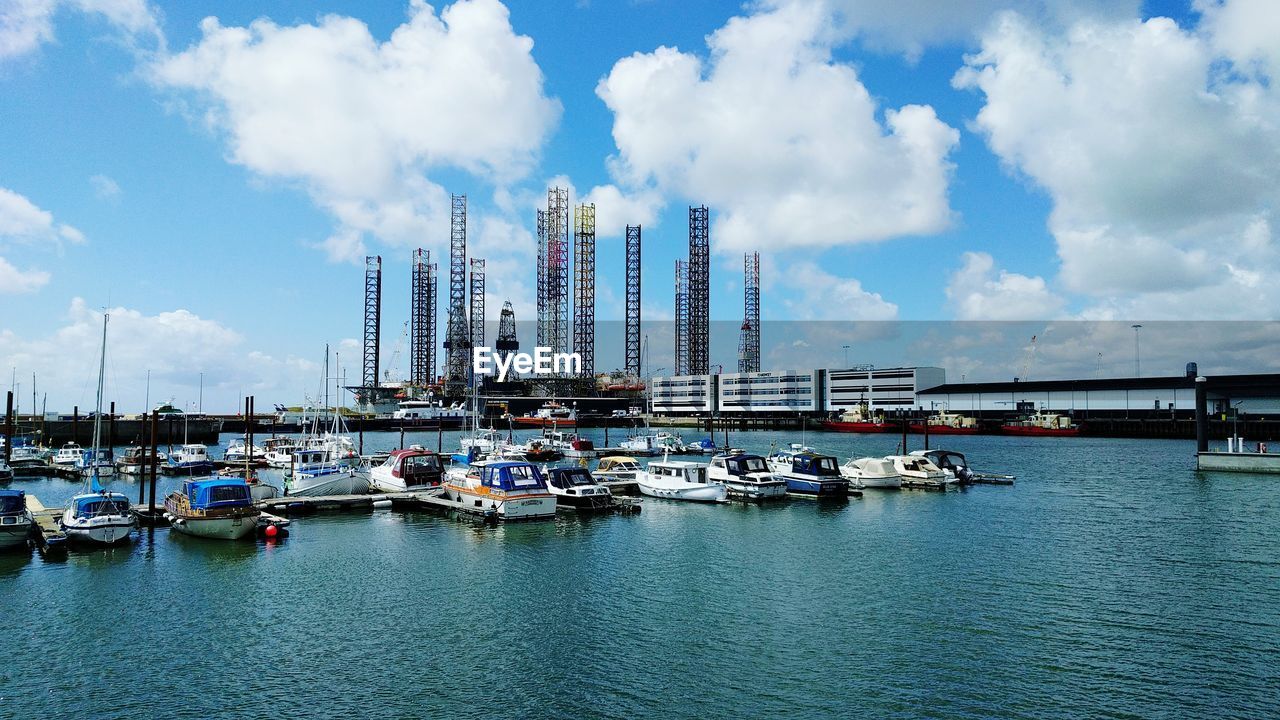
<point>15,520</point>
<point>858,420</point>
<point>404,470</point>
<point>551,414</point>
<point>681,480</point>
<point>575,489</point>
<point>219,508</point>
<point>746,476</point>
<point>815,476</point>
<point>1042,424</point>
<point>511,489</point>
<point>948,423</point>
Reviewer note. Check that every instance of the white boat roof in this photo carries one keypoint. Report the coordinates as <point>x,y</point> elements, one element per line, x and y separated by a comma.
<point>676,464</point>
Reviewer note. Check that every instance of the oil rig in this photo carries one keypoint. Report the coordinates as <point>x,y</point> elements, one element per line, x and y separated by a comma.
<point>565,280</point>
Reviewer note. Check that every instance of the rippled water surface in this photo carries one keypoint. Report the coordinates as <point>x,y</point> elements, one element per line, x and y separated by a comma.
<point>1111,581</point>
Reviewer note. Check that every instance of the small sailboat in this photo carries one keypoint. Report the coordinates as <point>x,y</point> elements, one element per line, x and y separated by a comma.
<point>220,508</point>
<point>16,522</point>
<point>97,516</point>
<point>413,468</point>
<point>514,490</point>
<point>681,480</point>
<point>315,473</point>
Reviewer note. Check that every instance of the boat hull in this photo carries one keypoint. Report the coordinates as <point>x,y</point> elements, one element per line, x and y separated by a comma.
<point>15,534</point>
<point>809,487</point>
<point>543,422</point>
<point>692,492</point>
<point>882,483</point>
<point>857,427</point>
<point>757,491</point>
<point>945,430</point>
<point>340,483</point>
<point>522,507</point>
<point>111,530</point>
<point>200,468</point>
<point>216,528</point>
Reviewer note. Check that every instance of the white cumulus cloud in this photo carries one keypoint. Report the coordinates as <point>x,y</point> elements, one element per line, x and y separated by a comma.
<point>820,295</point>
<point>360,123</point>
<point>27,24</point>
<point>23,221</point>
<point>785,145</point>
<point>1161,157</point>
<point>977,292</point>
<point>15,282</point>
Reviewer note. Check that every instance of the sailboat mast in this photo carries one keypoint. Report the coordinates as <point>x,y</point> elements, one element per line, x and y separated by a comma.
<point>97,416</point>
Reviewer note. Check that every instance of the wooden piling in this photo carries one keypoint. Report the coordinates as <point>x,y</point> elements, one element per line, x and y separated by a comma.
<point>155,443</point>
<point>75,424</point>
<point>8,424</point>
<point>111,427</point>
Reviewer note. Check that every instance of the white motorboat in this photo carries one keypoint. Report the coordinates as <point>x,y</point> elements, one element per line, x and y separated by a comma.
<point>16,523</point>
<point>950,462</point>
<point>413,468</point>
<point>576,489</point>
<point>780,461</point>
<point>570,445</point>
<point>920,471</point>
<point>815,476</point>
<point>481,442</point>
<point>98,461</point>
<point>27,456</point>
<point>655,444</point>
<point>680,480</point>
<point>746,476</point>
<point>428,410</point>
<point>278,451</point>
<point>239,451</point>
<point>135,459</point>
<point>68,455</point>
<point>619,468</point>
<point>871,472</point>
<point>513,490</point>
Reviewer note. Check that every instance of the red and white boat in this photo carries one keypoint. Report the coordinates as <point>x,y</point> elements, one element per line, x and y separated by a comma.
<point>412,468</point>
<point>948,423</point>
<point>859,420</point>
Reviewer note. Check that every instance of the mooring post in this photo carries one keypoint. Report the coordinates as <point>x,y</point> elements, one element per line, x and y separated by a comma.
<point>402,436</point>
<point>1202,415</point>
<point>75,424</point>
<point>904,434</point>
<point>154,465</point>
<point>606,432</point>
<point>925,424</point>
<point>8,425</point>
<point>439,437</point>
<point>248,408</point>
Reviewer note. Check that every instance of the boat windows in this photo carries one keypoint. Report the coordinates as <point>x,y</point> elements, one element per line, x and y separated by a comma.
<point>12,503</point>
<point>744,465</point>
<point>103,506</point>
<point>228,493</point>
<point>523,476</point>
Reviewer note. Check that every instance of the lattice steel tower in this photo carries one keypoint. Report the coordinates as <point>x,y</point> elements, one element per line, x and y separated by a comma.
<point>507,342</point>
<point>632,363</point>
<point>421,321</point>
<point>433,291</point>
<point>584,287</point>
<point>457,342</point>
<point>558,269</point>
<point>544,320</point>
<point>699,290</point>
<point>372,318</point>
<point>682,318</point>
<point>749,340</point>
<point>477,302</point>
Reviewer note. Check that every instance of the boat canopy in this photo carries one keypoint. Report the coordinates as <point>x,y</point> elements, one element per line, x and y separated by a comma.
<point>211,493</point>
<point>101,504</point>
<point>413,462</point>
<point>619,462</point>
<point>12,501</point>
<point>104,455</point>
<point>743,464</point>
<point>512,476</point>
<point>811,464</point>
<point>947,459</point>
<point>567,477</point>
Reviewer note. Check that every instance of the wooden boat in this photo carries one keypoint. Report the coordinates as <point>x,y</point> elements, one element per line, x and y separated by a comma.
<point>220,508</point>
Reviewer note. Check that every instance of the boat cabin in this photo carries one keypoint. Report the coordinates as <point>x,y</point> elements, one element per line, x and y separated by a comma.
<point>215,493</point>
<point>949,460</point>
<point>618,464</point>
<point>415,466</point>
<point>570,477</point>
<point>13,505</point>
<point>680,470</point>
<point>741,464</point>
<point>310,457</point>
<point>815,465</point>
<point>88,460</point>
<point>511,476</point>
<point>101,504</point>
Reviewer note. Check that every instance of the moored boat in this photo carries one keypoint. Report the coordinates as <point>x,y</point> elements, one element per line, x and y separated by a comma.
<point>314,474</point>
<point>1042,424</point>
<point>950,462</point>
<point>135,459</point>
<point>576,489</point>
<point>858,420</point>
<point>947,423</point>
<point>680,480</point>
<point>871,472</point>
<point>219,508</point>
<point>239,451</point>
<point>98,461</point>
<point>16,523</point>
<point>68,455</point>
<point>412,468</point>
<point>190,459</point>
<point>512,490</point>
<point>917,471</point>
<point>814,475</point>
<point>278,451</point>
<point>618,468</point>
<point>746,476</point>
<point>551,414</point>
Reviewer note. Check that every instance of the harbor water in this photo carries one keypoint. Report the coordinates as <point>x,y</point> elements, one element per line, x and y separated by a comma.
<point>1112,580</point>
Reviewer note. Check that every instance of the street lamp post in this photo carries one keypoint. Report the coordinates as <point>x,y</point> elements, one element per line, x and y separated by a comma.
<point>1137,354</point>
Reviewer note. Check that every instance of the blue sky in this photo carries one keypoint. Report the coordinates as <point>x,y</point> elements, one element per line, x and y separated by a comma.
<point>105,131</point>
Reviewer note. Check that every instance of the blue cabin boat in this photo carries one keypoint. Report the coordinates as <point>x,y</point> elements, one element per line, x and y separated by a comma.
<point>514,490</point>
<point>213,508</point>
<point>15,519</point>
<point>814,475</point>
<point>102,460</point>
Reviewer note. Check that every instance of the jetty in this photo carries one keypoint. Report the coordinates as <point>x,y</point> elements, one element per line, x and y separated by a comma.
<point>48,535</point>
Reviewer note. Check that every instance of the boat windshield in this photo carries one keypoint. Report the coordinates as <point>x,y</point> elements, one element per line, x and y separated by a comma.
<point>422,464</point>
<point>575,476</point>
<point>743,465</point>
<point>90,507</point>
